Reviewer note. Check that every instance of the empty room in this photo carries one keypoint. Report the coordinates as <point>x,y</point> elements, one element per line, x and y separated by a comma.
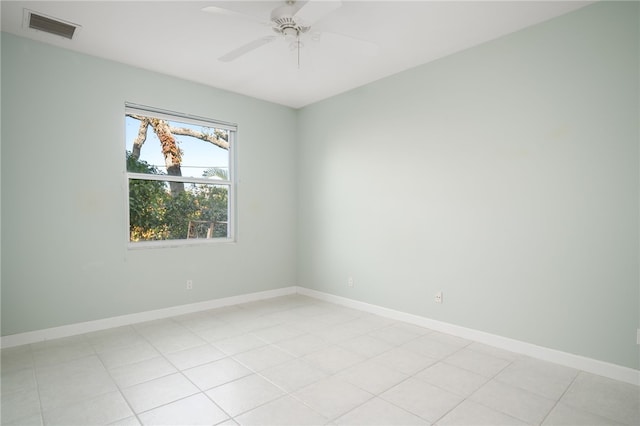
<point>320,213</point>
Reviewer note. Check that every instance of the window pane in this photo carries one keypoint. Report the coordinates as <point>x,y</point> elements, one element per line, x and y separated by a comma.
<point>162,210</point>
<point>175,148</point>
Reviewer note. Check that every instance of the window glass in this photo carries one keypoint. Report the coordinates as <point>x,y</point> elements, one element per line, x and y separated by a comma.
<point>179,175</point>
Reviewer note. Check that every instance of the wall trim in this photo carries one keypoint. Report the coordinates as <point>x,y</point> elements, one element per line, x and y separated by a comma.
<point>101,324</point>
<point>590,365</point>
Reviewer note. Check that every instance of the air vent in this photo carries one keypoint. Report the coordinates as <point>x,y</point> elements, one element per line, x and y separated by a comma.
<point>49,25</point>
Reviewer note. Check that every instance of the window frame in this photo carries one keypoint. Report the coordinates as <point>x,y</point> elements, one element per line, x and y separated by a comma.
<point>232,129</point>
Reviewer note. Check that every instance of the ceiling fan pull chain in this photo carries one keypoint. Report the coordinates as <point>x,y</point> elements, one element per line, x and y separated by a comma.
<point>298,43</point>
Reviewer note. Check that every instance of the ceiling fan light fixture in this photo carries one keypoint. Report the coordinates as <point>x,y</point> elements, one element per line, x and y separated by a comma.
<point>290,33</point>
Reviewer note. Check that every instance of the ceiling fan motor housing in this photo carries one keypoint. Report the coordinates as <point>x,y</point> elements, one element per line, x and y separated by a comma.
<point>284,22</point>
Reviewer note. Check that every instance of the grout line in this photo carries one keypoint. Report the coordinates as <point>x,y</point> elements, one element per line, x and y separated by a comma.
<point>489,379</point>
<point>227,356</point>
<point>558,400</point>
<point>35,378</point>
<point>586,410</point>
<point>181,372</point>
<point>116,383</point>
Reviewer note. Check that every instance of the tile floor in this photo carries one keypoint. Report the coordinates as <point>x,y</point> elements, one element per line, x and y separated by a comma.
<point>295,360</point>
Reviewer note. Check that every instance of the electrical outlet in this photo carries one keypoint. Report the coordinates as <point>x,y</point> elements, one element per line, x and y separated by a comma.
<point>350,281</point>
<point>189,284</point>
<point>438,297</point>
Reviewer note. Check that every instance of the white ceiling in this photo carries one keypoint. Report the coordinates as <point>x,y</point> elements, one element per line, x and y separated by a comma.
<point>179,39</point>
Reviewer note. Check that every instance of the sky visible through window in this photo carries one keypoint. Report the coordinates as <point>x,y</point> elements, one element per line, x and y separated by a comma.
<point>197,155</point>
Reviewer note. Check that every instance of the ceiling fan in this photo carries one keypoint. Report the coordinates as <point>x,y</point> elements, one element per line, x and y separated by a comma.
<point>290,21</point>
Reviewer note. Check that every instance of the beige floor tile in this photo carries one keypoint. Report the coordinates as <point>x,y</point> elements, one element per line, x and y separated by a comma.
<point>239,344</point>
<point>366,346</point>
<point>193,357</point>
<point>216,373</point>
<point>17,380</point>
<point>540,377</point>
<point>332,397</point>
<point>16,358</point>
<point>193,410</point>
<point>372,377</point>
<point>100,410</point>
<point>471,413</point>
<point>244,394</point>
<point>72,382</point>
<point>154,393</point>
<point>477,362</point>
<point>20,405</point>
<point>605,397</point>
<point>453,379</point>
<point>404,361</point>
<point>293,375</point>
<point>333,359</point>
<point>264,357</point>
<point>422,399</point>
<point>378,412</point>
<point>285,411</point>
<point>116,357</point>
<point>132,374</point>
<point>516,402</point>
<point>563,415</point>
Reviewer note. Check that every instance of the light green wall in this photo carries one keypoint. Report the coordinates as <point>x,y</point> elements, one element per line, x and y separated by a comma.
<point>64,249</point>
<point>505,175</point>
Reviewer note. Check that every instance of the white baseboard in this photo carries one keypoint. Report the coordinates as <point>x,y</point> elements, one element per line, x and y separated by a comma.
<point>590,365</point>
<point>612,371</point>
<point>102,324</point>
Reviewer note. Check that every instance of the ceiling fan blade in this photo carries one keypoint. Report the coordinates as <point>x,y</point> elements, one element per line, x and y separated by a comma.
<point>233,14</point>
<point>236,53</point>
<point>363,47</point>
<point>314,10</point>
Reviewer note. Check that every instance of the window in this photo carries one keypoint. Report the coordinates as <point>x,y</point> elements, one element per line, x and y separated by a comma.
<point>179,176</point>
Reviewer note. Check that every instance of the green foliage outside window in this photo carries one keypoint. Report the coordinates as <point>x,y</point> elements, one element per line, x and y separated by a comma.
<point>157,214</point>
